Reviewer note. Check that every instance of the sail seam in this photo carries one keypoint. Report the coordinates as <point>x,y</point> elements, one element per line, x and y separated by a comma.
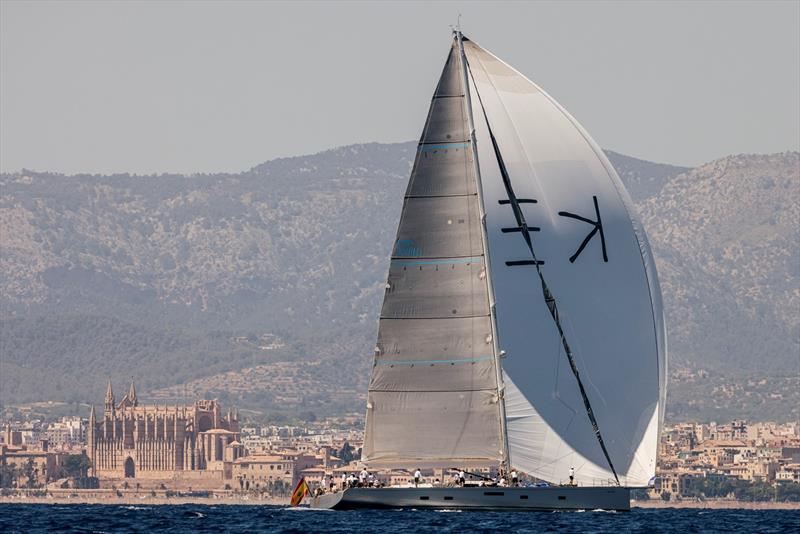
<point>432,145</point>
<point>548,296</point>
<point>427,390</point>
<point>476,258</point>
<point>436,317</point>
<point>431,362</point>
<point>443,196</point>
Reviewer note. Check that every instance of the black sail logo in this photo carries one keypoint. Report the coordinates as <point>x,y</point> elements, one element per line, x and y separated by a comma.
<point>597,228</point>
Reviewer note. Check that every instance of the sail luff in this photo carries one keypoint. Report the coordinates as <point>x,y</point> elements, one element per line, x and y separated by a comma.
<point>487,259</point>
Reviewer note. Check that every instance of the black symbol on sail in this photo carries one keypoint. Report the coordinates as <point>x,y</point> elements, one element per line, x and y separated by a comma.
<point>523,228</point>
<point>598,227</point>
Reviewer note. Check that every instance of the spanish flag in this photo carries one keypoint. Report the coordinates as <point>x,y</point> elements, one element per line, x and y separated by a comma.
<point>299,492</point>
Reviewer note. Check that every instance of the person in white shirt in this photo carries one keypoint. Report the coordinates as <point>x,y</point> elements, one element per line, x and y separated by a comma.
<point>571,476</point>
<point>461,478</point>
<point>514,478</point>
<point>370,480</point>
<point>344,480</point>
<point>362,477</point>
<point>417,477</point>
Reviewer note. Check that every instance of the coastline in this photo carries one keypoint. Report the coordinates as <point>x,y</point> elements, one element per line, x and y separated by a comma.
<point>140,498</point>
<point>717,504</point>
<point>226,498</point>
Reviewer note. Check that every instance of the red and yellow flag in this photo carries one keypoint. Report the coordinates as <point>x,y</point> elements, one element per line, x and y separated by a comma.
<point>299,492</point>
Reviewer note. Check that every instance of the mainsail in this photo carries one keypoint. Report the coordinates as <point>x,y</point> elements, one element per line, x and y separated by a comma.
<point>577,306</point>
<point>433,397</point>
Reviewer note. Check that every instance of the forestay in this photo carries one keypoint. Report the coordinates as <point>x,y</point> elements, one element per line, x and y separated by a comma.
<point>433,398</point>
<point>597,267</point>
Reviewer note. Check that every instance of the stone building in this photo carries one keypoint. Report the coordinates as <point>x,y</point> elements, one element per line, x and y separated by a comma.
<point>43,463</point>
<point>162,442</point>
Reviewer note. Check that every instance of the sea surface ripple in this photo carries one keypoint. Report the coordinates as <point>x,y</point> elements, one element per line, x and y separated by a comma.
<point>25,518</point>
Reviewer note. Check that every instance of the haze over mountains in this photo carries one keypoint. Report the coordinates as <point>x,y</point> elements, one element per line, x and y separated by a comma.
<point>177,280</point>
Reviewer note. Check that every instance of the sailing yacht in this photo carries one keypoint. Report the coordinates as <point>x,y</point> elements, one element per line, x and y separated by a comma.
<point>522,324</point>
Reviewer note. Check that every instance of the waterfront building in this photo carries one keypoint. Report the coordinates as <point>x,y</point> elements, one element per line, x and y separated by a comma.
<point>162,442</point>
<point>39,461</point>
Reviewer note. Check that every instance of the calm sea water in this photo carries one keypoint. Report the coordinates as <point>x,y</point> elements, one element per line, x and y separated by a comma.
<point>202,518</point>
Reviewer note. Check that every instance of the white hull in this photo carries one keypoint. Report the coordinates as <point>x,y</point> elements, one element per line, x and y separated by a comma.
<point>479,498</point>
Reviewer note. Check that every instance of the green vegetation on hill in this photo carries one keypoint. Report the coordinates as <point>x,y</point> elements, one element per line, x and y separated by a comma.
<point>178,280</point>
<point>69,357</point>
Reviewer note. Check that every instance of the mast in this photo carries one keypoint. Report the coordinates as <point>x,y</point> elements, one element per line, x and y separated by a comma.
<point>501,401</point>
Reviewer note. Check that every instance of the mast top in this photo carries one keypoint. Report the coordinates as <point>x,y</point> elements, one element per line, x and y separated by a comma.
<point>457,29</point>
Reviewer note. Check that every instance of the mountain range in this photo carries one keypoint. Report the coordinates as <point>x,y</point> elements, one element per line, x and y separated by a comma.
<point>276,274</point>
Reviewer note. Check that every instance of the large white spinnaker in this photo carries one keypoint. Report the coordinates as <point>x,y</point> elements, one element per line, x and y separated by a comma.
<point>597,267</point>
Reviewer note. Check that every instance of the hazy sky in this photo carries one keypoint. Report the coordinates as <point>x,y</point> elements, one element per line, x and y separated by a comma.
<point>202,87</point>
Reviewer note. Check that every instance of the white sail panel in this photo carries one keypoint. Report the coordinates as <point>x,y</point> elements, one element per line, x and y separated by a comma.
<point>535,445</point>
<point>608,301</point>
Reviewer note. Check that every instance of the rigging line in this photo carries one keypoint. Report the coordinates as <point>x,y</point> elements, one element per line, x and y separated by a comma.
<point>548,296</point>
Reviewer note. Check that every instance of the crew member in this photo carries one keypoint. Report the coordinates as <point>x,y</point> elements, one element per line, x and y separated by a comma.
<point>571,476</point>
<point>514,478</point>
<point>417,477</point>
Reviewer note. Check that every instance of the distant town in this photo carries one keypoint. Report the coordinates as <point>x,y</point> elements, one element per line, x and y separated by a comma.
<point>201,449</point>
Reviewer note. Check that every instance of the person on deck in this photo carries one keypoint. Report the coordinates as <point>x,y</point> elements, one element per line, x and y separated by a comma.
<point>344,481</point>
<point>462,479</point>
<point>362,477</point>
<point>514,478</point>
<point>571,476</point>
<point>417,477</point>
